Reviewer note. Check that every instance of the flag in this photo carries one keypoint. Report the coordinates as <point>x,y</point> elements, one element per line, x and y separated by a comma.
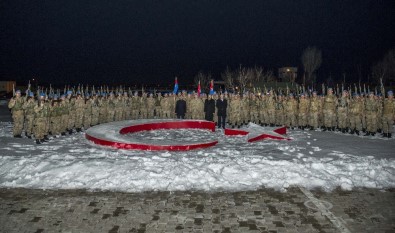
<point>175,86</point>
<point>199,90</point>
<point>212,87</point>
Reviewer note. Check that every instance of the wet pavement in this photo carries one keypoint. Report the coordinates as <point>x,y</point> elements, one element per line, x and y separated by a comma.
<point>265,210</point>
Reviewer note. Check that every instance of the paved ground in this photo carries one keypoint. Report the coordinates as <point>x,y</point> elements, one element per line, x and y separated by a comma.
<point>365,210</point>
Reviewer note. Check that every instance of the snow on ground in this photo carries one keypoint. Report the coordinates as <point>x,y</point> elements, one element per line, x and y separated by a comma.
<point>312,159</point>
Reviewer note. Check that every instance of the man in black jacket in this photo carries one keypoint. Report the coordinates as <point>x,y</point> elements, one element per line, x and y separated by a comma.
<point>209,108</point>
<point>222,105</point>
<point>181,108</point>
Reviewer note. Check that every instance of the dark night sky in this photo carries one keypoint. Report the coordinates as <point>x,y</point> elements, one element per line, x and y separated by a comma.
<point>78,41</point>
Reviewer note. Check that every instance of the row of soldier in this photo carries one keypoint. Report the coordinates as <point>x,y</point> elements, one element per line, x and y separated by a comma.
<point>74,111</point>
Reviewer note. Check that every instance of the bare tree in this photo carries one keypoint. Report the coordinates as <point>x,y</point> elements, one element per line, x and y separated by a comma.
<point>385,69</point>
<point>311,59</point>
<point>268,76</point>
<point>258,74</point>
<point>243,77</point>
<point>228,77</point>
<point>204,80</point>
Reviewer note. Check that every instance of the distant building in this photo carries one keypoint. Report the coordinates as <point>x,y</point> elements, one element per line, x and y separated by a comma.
<point>288,74</point>
<point>7,86</point>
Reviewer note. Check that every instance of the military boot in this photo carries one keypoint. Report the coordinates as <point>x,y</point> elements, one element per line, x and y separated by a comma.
<point>357,132</point>
<point>385,135</point>
<point>333,128</point>
<point>324,128</point>
<point>389,135</point>
<point>38,141</point>
<point>352,132</point>
<point>367,133</point>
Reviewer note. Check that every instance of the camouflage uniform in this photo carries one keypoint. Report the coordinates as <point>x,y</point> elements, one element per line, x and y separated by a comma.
<point>254,110</point>
<point>329,111</point>
<point>245,109</point>
<point>135,107</point>
<point>291,108</point>
<point>79,106</point>
<point>234,111</point>
<point>28,107</point>
<point>158,107</point>
<point>314,111</point>
<point>262,110</point>
<point>388,115</point>
<point>197,107</point>
<point>16,106</point>
<point>371,108</point>
<point>64,115</point>
<point>143,106</point>
<point>172,101</point>
<point>355,114</point>
<point>111,108</point>
<point>150,101</point>
<point>55,116</point>
<point>342,113</point>
<point>72,113</point>
<point>165,106</point>
<point>279,117</point>
<point>303,111</point>
<point>95,110</point>
<point>127,111</point>
<point>87,122</point>
<point>379,100</point>
<point>40,121</point>
<point>103,106</point>
<point>119,105</point>
<point>271,109</point>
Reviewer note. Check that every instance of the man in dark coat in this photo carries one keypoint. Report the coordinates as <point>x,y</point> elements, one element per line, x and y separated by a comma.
<point>181,108</point>
<point>222,105</point>
<point>209,108</point>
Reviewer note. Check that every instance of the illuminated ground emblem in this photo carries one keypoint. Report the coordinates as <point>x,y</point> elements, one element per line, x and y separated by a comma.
<point>113,134</point>
<point>255,132</point>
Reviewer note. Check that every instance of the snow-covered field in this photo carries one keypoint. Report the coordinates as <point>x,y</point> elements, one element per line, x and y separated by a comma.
<point>312,159</point>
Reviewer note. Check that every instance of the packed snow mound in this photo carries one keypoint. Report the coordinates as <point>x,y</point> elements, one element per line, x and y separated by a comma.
<point>312,159</point>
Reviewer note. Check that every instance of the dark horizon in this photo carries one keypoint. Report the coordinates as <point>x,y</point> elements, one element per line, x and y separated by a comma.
<point>69,42</point>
